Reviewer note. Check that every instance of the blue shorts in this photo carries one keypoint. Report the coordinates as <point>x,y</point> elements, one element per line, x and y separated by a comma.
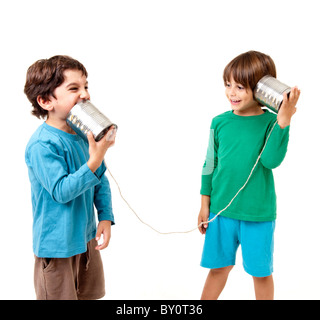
<point>222,240</point>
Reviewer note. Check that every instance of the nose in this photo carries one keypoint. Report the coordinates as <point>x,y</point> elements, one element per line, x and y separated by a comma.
<point>232,91</point>
<point>84,94</point>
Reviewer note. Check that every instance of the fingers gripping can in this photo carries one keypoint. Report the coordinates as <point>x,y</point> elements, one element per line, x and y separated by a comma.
<point>85,117</point>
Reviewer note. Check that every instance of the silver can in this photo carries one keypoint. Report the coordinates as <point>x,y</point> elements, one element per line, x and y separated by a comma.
<point>269,92</point>
<point>85,117</point>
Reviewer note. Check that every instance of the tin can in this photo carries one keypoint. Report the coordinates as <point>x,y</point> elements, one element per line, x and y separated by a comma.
<point>269,92</point>
<point>85,117</point>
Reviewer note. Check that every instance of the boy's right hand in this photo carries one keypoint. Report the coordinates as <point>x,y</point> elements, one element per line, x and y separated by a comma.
<point>97,150</point>
<point>203,217</point>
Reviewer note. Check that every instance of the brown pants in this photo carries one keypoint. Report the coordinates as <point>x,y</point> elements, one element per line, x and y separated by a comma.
<point>80,277</point>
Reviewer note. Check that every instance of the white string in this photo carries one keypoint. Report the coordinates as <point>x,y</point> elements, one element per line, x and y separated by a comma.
<point>204,222</point>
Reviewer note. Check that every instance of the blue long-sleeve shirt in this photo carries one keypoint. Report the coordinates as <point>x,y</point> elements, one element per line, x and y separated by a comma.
<point>64,192</point>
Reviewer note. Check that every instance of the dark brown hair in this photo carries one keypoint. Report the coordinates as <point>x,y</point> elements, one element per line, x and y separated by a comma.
<point>248,68</point>
<point>44,76</point>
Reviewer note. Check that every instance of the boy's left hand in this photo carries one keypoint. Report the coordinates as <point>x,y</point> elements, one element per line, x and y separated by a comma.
<point>104,228</point>
<point>288,107</point>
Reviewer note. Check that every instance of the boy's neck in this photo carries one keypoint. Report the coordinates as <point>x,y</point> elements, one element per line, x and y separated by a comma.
<point>248,113</point>
<point>253,110</point>
<point>61,125</point>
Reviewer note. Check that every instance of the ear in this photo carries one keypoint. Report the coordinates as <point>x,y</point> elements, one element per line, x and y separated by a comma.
<point>45,103</point>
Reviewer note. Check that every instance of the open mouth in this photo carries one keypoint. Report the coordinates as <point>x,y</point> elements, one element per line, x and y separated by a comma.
<point>235,102</point>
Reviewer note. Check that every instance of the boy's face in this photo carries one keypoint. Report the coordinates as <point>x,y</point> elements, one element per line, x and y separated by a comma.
<point>73,90</point>
<point>240,98</point>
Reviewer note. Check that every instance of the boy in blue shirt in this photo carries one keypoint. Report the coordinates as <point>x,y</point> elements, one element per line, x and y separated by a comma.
<point>67,180</point>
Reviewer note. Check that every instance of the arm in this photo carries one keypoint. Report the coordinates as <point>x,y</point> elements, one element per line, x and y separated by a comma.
<point>210,164</point>
<point>97,150</point>
<point>276,147</point>
<point>204,213</point>
<point>51,171</point>
<point>47,160</point>
<point>102,195</point>
<point>288,108</point>
<point>103,204</point>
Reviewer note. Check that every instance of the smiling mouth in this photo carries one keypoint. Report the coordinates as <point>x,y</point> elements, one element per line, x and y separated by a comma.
<point>235,101</point>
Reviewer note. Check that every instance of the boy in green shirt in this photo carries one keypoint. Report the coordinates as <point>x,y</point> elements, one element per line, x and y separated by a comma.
<point>236,139</point>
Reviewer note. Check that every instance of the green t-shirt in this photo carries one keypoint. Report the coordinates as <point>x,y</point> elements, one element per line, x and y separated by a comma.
<point>234,145</point>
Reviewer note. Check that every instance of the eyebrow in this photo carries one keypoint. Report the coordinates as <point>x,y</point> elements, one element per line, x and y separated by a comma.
<point>75,84</point>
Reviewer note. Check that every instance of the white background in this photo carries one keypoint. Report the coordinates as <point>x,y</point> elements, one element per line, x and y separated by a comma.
<point>155,68</point>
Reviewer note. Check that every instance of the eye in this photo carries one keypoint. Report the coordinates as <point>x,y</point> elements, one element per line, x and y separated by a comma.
<point>73,89</point>
<point>228,84</point>
<point>240,87</point>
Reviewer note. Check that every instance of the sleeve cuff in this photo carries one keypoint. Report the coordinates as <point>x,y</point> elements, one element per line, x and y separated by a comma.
<point>106,216</point>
